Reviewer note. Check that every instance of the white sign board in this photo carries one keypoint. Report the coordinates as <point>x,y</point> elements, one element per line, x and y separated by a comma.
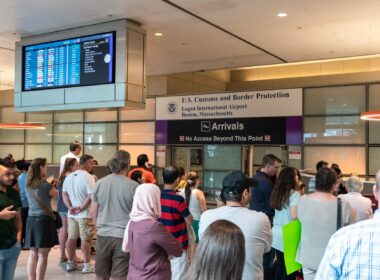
<point>266,103</point>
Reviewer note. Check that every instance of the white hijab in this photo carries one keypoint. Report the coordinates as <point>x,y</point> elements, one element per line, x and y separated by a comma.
<point>146,205</point>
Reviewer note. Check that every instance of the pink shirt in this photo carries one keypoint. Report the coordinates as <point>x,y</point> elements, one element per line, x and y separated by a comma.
<point>150,245</point>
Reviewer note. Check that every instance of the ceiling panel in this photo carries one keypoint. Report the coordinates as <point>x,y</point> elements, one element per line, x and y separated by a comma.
<point>312,30</point>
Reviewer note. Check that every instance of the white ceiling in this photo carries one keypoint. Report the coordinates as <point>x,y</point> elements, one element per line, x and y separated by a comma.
<point>313,29</point>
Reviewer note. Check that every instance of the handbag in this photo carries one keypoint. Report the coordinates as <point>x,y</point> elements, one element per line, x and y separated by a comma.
<point>53,214</point>
<point>339,214</point>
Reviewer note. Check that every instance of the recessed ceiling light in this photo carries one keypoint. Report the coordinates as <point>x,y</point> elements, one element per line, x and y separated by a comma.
<point>282,14</point>
<point>158,34</point>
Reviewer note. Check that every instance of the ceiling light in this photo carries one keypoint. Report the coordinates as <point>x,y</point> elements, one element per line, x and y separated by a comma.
<point>370,116</point>
<point>22,126</point>
<point>158,34</point>
<point>282,14</point>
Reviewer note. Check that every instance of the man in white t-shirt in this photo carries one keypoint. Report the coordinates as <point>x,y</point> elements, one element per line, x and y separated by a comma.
<point>75,150</point>
<point>77,190</point>
<point>254,225</point>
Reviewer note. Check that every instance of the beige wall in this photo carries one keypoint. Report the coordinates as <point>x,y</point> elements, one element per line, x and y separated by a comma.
<point>307,74</point>
<point>6,98</point>
<point>188,83</point>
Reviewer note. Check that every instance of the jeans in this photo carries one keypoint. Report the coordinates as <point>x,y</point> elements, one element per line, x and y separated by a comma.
<point>8,261</point>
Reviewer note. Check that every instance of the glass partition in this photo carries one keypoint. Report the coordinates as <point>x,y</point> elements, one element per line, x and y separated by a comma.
<point>11,136</point>
<point>17,151</point>
<point>101,153</point>
<point>66,133</point>
<point>38,151</point>
<point>100,116</point>
<point>222,157</point>
<point>350,159</point>
<point>374,97</point>
<point>100,133</point>
<point>62,117</point>
<point>40,135</point>
<point>136,150</point>
<point>334,100</point>
<point>334,130</point>
<point>374,160</point>
<point>137,132</point>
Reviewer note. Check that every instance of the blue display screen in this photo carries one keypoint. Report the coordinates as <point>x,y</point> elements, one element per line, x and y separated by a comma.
<point>81,61</point>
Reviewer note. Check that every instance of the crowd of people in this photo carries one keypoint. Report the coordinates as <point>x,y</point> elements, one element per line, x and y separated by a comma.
<point>144,232</point>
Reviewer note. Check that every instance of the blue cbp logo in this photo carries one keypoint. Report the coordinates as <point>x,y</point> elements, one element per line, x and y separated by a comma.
<point>172,107</point>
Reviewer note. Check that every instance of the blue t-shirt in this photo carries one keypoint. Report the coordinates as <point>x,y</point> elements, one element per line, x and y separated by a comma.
<point>22,184</point>
<point>281,218</point>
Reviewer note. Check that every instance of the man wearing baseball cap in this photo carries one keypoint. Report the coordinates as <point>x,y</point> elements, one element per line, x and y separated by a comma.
<point>254,225</point>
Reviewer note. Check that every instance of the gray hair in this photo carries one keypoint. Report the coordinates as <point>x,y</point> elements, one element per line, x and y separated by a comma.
<point>354,184</point>
<point>119,161</point>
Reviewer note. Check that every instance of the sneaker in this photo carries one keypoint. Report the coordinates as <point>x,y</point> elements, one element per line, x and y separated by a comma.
<point>70,266</point>
<point>88,268</point>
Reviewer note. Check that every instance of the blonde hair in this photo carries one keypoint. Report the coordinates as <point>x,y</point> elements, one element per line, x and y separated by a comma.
<point>35,178</point>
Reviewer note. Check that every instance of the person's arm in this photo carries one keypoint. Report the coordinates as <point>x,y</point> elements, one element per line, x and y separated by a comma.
<point>84,204</point>
<point>202,201</point>
<point>18,222</point>
<point>189,219</point>
<point>184,212</point>
<point>267,234</point>
<point>53,192</point>
<point>7,213</point>
<point>293,212</point>
<point>166,240</point>
<point>66,200</point>
<point>94,210</point>
<point>294,198</point>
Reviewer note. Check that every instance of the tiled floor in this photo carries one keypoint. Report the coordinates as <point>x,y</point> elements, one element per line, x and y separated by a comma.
<point>55,269</point>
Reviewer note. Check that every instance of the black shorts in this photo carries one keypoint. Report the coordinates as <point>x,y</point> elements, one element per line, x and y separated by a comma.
<point>40,232</point>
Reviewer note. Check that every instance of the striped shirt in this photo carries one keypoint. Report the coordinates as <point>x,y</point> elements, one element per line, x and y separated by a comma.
<point>353,252</point>
<point>173,212</point>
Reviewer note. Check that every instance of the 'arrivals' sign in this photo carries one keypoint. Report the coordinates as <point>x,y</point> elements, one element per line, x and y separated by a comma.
<point>255,117</point>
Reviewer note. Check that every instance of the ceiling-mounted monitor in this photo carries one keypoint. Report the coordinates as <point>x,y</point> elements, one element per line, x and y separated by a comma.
<point>88,67</point>
<point>81,61</point>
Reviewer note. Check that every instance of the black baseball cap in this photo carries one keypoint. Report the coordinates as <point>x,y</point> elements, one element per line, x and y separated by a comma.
<point>236,182</point>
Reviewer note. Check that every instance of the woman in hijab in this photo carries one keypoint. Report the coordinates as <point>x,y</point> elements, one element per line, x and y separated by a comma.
<point>147,240</point>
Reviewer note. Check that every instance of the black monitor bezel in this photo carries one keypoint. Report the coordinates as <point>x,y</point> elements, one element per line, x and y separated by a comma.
<point>68,86</point>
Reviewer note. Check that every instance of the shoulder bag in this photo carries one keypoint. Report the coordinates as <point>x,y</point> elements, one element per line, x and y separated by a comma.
<point>339,214</point>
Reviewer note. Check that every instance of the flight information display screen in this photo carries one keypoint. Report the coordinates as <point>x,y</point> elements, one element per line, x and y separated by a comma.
<point>81,61</point>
